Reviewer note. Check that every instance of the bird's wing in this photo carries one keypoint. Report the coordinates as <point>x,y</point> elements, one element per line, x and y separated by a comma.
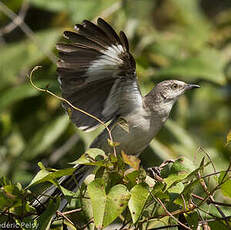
<point>97,74</point>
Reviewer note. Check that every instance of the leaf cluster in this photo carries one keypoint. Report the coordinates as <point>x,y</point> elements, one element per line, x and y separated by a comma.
<point>124,196</point>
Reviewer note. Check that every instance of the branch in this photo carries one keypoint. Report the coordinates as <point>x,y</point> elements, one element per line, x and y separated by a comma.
<point>26,29</point>
<point>170,214</point>
<point>204,186</point>
<point>17,20</point>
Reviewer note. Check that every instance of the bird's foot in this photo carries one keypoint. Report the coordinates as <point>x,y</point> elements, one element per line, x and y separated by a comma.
<point>155,172</point>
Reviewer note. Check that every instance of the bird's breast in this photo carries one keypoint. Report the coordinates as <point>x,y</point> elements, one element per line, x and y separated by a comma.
<point>135,133</point>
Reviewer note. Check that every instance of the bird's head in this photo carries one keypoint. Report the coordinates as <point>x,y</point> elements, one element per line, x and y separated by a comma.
<point>170,90</point>
<point>164,95</point>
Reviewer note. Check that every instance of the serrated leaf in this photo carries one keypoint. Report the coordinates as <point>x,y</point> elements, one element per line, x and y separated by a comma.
<point>139,196</point>
<point>107,207</point>
<point>45,219</point>
<point>45,137</point>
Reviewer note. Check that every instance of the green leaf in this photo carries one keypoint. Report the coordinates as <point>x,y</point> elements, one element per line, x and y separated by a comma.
<point>139,196</point>
<point>158,187</point>
<point>117,200</point>
<point>174,173</point>
<point>107,207</point>
<point>174,178</point>
<point>93,156</point>
<point>217,225</point>
<point>223,177</point>
<point>177,188</point>
<point>69,193</point>
<point>226,188</point>
<point>192,219</point>
<point>131,175</point>
<point>44,221</point>
<point>6,199</point>
<point>45,176</point>
<point>45,137</point>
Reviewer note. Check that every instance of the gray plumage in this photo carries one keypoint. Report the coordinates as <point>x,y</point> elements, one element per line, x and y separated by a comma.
<point>97,74</point>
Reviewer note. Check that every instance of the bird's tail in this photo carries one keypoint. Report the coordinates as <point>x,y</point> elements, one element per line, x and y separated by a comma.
<point>72,182</point>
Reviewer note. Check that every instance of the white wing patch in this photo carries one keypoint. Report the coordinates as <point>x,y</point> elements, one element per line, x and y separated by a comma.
<point>107,63</point>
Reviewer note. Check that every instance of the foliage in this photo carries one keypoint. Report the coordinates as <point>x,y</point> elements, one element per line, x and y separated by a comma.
<point>188,40</point>
<point>128,197</point>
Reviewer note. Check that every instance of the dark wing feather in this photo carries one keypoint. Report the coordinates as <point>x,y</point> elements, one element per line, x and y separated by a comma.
<point>97,74</point>
<point>109,31</point>
<point>124,40</point>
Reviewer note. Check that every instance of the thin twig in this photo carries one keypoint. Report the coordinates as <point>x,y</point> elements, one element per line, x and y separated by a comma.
<point>69,103</point>
<point>170,214</point>
<point>124,225</point>
<point>206,212</point>
<point>65,217</point>
<point>204,186</point>
<point>88,223</point>
<point>207,154</point>
<point>184,202</point>
<point>72,211</point>
<point>163,227</point>
<point>226,173</point>
<point>26,29</point>
<point>17,20</point>
<point>215,173</point>
<point>210,201</point>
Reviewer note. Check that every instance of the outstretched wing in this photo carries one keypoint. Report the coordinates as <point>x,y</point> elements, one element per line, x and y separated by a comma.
<point>97,74</point>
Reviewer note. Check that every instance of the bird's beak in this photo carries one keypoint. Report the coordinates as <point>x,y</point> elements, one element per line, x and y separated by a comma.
<point>192,86</point>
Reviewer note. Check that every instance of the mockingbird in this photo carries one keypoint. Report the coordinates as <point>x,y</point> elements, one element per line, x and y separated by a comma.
<point>97,73</point>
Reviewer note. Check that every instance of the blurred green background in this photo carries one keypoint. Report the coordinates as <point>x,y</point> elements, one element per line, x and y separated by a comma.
<point>170,39</point>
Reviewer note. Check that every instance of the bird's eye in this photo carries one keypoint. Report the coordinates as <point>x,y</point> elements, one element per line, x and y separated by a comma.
<point>174,86</point>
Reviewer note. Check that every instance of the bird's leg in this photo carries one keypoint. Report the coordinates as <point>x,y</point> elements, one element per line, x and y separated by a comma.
<point>166,163</point>
<point>155,172</point>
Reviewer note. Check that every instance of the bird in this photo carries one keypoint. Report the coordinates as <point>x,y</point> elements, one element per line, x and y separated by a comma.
<point>97,73</point>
